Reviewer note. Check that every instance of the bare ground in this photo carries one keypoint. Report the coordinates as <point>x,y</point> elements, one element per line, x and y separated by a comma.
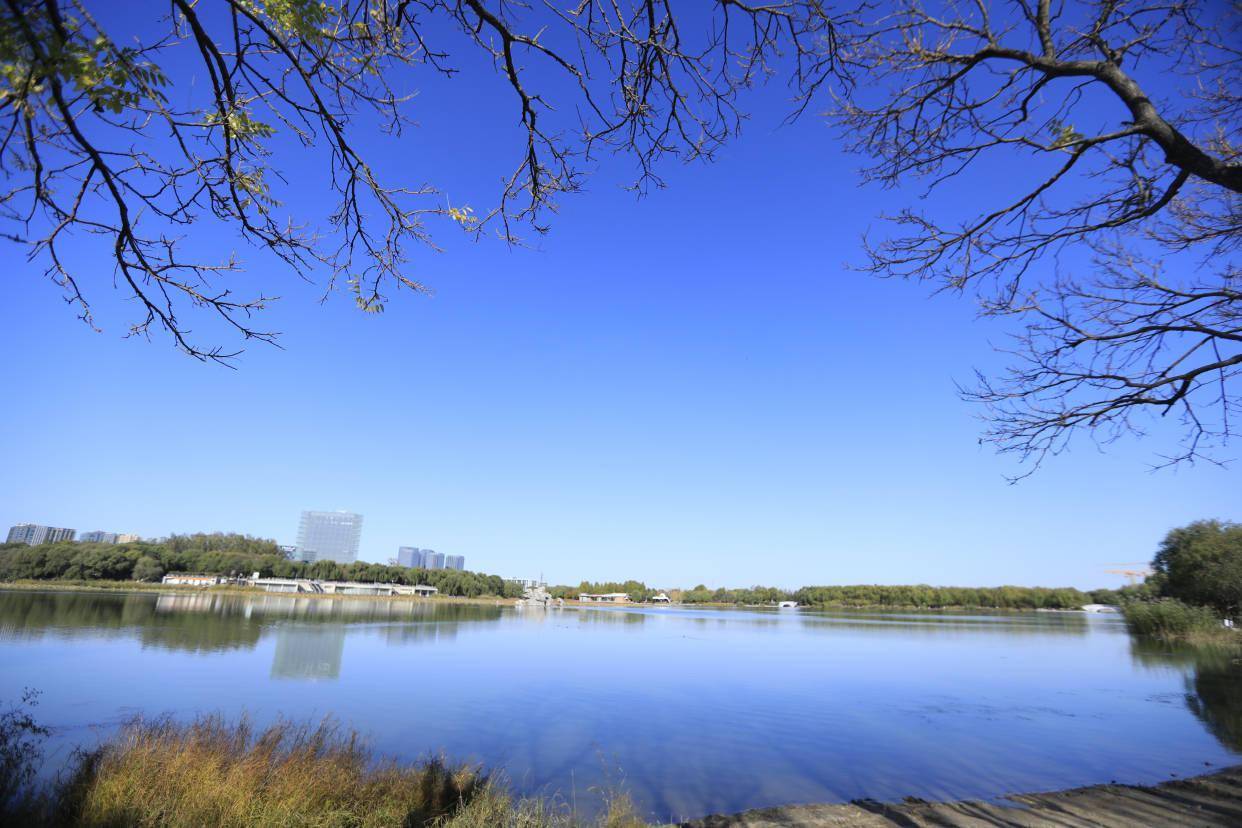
<point>1212,800</point>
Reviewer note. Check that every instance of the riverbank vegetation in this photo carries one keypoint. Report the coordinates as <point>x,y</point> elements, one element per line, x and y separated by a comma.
<point>1194,588</point>
<point>221,554</point>
<point>1170,618</point>
<point>233,775</point>
<point>918,596</point>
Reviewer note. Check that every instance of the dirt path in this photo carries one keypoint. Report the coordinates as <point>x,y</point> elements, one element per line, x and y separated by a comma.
<point>1213,800</point>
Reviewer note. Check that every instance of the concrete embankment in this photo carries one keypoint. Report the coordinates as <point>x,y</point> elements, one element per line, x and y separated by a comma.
<point>1212,800</point>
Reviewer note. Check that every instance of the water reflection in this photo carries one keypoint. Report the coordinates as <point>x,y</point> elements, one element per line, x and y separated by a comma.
<point>200,623</point>
<point>1213,678</point>
<point>304,652</point>
<point>699,710</point>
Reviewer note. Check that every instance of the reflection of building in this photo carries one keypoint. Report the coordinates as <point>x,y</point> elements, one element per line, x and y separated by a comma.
<point>98,537</point>
<point>329,536</point>
<point>34,534</point>
<point>308,652</point>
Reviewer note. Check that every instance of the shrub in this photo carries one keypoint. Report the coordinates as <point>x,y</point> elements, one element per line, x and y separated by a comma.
<point>21,739</point>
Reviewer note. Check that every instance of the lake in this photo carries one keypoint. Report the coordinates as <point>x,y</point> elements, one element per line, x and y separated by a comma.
<point>691,711</point>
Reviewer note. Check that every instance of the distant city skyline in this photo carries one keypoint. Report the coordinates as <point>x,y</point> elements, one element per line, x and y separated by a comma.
<point>416,558</point>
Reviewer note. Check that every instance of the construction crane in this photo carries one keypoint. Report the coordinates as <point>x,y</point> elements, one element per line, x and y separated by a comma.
<point>1132,574</point>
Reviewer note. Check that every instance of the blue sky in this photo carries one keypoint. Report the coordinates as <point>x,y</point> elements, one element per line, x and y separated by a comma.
<point>686,388</point>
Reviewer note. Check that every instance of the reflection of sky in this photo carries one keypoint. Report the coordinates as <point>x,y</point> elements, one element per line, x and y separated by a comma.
<point>695,711</point>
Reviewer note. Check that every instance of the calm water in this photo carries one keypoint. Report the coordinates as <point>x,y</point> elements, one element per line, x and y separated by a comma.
<point>694,711</point>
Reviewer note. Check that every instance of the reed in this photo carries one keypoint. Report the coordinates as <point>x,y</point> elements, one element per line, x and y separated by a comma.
<point>213,772</point>
<point>1172,620</point>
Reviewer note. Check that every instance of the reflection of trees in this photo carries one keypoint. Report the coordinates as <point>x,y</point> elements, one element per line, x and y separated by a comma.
<point>938,622</point>
<point>1215,696</point>
<point>204,622</point>
<point>34,614</point>
<point>602,615</point>
<point>1213,682</point>
<point>308,652</point>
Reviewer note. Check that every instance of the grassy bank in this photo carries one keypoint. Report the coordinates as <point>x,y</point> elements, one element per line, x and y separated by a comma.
<point>219,773</point>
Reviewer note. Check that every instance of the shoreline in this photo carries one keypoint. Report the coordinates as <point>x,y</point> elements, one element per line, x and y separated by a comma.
<point>1213,799</point>
<point>182,589</point>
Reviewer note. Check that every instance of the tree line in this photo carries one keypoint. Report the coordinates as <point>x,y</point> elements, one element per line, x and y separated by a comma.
<point>864,595</point>
<point>221,554</point>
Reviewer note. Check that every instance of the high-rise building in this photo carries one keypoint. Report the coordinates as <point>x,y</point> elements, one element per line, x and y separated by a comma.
<point>125,537</point>
<point>33,534</point>
<point>329,536</point>
<point>434,560</point>
<point>454,561</point>
<point>412,556</point>
<point>98,537</point>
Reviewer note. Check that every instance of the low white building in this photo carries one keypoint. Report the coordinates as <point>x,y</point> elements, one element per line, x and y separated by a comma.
<point>191,579</point>
<point>604,598</point>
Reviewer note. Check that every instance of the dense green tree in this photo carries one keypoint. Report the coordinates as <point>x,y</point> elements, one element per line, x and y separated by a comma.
<point>148,569</point>
<point>221,554</point>
<point>1202,564</point>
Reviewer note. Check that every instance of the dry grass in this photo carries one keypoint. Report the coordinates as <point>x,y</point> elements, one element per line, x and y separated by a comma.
<point>217,773</point>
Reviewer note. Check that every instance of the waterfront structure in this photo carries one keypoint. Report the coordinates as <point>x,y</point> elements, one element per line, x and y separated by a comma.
<point>34,534</point>
<point>191,579</point>
<point>604,598</point>
<point>329,536</point>
<point>98,537</point>
<point>455,562</point>
<point>660,598</point>
<point>314,587</point>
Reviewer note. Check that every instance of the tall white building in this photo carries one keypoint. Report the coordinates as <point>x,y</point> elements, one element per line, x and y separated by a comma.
<point>329,536</point>
<point>33,534</point>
